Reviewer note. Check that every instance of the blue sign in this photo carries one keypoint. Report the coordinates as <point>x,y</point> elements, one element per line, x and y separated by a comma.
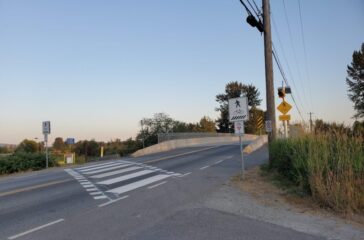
<point>70,141</point>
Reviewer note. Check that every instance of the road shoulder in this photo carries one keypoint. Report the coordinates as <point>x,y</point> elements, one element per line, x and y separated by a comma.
<point>269,206</point>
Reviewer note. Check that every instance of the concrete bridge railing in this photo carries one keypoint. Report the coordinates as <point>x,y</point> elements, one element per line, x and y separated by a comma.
<point>193,142</point>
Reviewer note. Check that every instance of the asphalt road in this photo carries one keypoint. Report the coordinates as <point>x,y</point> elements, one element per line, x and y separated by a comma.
<point>150,197</point>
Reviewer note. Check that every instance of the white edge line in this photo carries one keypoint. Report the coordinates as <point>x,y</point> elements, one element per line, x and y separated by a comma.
<point>186,174</point>
<point>113,201</point>
<point>204,167</point>
<point>157,185</point>
<point>36,229</point>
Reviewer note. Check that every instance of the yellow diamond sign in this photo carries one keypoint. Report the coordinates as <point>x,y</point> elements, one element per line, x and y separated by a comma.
<point>284,107</point>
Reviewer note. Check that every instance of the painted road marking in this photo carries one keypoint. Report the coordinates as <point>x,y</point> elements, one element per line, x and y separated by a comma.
<point>91,189</point>
<point>95,193</point>
<point>35,229</point>
<point>95,165</point>
<point>179,155</point>
<point>101,167</point>
<point>220,161</point>
<point>100,197</point>
<point>105,169</point>
<point>125,177</point>
<point>186,174</point>
<point>33,187</point>
<point>204,167</point>
<point>113,201</point>
<point>108,174</point>
<point>157,185</point>
<point>138,184</point>
<point>123,165</point>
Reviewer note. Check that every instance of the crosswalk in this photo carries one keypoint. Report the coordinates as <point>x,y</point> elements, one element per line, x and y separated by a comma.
<point>112,179</point>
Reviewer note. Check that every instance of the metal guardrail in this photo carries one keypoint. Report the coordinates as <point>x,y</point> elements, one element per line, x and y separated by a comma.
<point>162,137</point>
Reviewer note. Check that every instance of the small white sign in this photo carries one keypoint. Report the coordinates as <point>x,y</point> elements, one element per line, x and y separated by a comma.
<point>239,128</point>
<point>238,109</point>
<point>268,126</point>
<point>46,126</point>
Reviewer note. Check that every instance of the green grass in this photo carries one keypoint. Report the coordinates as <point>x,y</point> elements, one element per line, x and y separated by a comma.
<point>329,167</point>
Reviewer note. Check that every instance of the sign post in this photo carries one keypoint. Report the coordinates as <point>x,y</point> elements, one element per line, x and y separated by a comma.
<point>238,113</point>
<point>46,128</point>
<point>284,108</point>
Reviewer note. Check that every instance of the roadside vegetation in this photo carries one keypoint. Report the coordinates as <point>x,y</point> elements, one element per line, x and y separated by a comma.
<point>27,156</point>
<point>327,165</point>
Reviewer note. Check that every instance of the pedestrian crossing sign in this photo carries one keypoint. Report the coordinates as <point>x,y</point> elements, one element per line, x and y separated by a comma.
<point>238,109</point>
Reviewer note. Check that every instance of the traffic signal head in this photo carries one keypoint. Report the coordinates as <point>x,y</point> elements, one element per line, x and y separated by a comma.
<point>254,23</point>
<point>281,92</point>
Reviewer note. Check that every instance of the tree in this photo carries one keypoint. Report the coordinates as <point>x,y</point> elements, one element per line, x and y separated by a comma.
<point>4,149</point>
<point>150,127</point>
<point>59,144</point>
<point>355,82</point>
<point>358,128</point>
<point>234,90</point>
<point>254,125</point>
<point>206,124</point>
<point>87,148</point>
<point>28,146</point>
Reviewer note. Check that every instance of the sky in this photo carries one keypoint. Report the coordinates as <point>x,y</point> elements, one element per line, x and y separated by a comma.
<point>95,68</point>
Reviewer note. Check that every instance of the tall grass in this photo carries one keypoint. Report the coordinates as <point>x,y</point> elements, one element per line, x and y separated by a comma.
<point>330,167</point>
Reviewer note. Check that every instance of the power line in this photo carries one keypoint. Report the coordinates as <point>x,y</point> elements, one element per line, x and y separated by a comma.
<point>293,49</point>
<point>273,51</point>
<point>253,8</point>
<point>259,12</point>
<point>286,81</point>
<point>305,53</point>
<point>246,8</point>
<point>286,62</point>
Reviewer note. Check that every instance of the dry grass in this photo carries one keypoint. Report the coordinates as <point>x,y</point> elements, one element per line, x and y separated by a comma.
<point>269,190</point>
<point>329,167</point>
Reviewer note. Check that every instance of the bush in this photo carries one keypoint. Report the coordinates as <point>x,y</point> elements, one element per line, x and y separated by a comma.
<point>330,167</point>
<point>22,161</point>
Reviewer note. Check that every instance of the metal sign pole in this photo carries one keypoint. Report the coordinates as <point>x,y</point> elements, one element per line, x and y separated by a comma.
<point>46,150</point>
<point>242,157</point>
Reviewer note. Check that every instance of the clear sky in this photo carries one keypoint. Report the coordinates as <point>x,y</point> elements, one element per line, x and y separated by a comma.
<point>95,68</point>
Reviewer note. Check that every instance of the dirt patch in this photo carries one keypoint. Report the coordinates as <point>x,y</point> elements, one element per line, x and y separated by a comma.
<point>265,191</point>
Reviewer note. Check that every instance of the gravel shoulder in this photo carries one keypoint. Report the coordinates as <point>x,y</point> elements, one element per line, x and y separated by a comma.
<point>259,199</point>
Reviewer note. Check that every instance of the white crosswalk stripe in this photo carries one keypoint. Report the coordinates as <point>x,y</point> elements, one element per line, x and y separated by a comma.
<point>107,169</point>
<point>98,165</point>
<point>101,167</point>
<point>126,177</point>
<point>138,184</point>
<point>108,174</point>
<point>106,181</point>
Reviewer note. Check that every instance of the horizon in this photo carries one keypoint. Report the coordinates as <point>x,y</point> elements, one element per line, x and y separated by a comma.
<point>96,69</point>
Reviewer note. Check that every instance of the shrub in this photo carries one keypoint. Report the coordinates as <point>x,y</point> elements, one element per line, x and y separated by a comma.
<point>22,161</point>
<point>330,167</point>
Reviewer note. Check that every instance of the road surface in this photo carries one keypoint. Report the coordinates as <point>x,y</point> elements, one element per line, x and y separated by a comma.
<point>150,197</point>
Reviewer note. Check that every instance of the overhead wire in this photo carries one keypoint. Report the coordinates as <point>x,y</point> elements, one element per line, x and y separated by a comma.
<point>253,8</point>
<point>286,81</point>
<point>294,52</point>
<point>286,62</point>
<point>259,12</point>
<point>305,53</point>
<point>276,58</point>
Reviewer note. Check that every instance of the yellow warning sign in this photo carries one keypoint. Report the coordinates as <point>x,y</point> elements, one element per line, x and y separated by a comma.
<point>284,107</point>
<point>284,117</point>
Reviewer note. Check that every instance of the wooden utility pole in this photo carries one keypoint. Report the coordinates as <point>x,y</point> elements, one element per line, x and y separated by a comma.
<point>271,112</point>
